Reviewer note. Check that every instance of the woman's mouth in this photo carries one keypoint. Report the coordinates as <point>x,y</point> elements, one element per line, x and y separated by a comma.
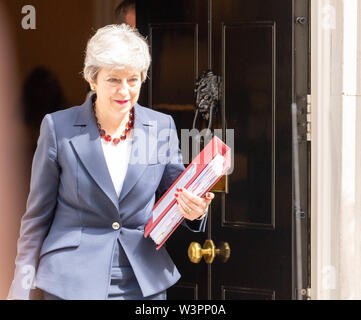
<point>121,101</point>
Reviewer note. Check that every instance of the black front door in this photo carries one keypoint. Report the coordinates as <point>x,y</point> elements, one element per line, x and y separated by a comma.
<point>249,44</point>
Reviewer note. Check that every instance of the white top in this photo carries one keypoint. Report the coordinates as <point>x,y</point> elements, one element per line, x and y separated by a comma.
<point>117,159</point>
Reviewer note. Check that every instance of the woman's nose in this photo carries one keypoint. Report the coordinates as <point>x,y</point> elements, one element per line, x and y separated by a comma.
<point>123,89</point>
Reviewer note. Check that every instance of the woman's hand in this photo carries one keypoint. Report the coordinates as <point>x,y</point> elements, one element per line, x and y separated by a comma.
<point>191,206</point>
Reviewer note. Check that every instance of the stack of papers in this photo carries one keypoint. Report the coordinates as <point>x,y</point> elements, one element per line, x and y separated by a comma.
<point>199,177</point>
<point>207,177</point>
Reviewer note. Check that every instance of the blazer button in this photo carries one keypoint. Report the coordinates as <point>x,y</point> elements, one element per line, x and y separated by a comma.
<point>116,225</point>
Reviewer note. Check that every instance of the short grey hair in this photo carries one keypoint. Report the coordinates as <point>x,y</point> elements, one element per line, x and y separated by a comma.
<point>116,47</point>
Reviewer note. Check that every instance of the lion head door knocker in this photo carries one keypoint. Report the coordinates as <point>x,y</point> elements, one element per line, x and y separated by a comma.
<point>207,97</point>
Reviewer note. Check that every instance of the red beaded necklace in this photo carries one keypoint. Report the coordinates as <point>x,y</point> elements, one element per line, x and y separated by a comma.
<point>107,137</point>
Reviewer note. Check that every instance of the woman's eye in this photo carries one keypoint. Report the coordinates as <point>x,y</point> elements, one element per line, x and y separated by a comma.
<point>112,80</point>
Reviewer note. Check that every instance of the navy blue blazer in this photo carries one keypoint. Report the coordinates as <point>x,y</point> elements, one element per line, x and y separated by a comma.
<point>74,217</point>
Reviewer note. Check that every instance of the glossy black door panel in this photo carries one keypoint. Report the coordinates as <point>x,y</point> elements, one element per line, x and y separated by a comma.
<point>249,82</point>
<point>250,45</point>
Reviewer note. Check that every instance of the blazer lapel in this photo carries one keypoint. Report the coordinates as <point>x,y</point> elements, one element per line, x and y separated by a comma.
<point>87,145</point>
<point>143,149</point>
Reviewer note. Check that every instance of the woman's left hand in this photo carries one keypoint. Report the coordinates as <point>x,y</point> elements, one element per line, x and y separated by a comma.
<point>191,206</point>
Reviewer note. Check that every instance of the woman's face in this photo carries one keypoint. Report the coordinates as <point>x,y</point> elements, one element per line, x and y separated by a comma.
<point>117,90</point>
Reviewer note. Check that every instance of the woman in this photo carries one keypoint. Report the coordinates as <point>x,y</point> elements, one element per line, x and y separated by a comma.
<point>96,173</point>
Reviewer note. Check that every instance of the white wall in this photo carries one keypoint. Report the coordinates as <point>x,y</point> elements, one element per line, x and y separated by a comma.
<point>336,144</point>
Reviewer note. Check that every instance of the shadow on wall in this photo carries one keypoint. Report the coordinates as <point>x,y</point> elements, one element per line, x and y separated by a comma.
<point>42,94</point>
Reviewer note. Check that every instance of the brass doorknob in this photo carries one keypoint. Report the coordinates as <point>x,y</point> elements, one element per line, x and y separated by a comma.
<point>209,251</point>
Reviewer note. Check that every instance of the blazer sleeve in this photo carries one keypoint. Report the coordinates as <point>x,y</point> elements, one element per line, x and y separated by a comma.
<point>40,206</point>
<point>172,171</point>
